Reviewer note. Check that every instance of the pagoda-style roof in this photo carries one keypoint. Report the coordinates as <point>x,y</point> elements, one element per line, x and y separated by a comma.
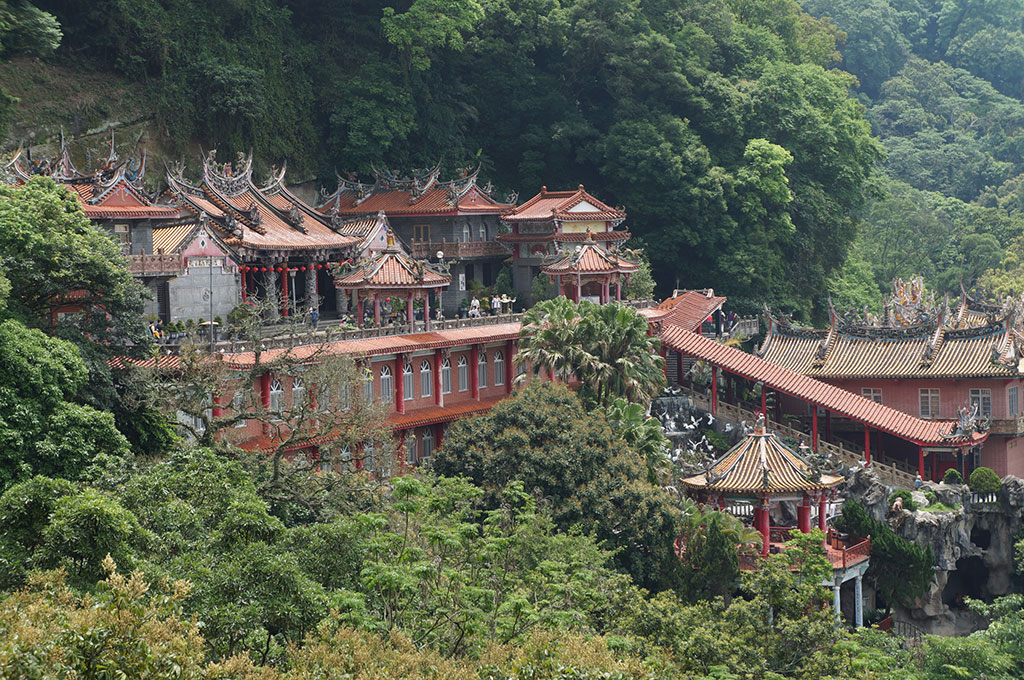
<point>688,308</point>
<point>249,217</point>
<point>113,191</point>
<point>589,258</point>
<point>421,194</point>
<point>761,466</point>
<point>392,268</point>
<point>564,206</point>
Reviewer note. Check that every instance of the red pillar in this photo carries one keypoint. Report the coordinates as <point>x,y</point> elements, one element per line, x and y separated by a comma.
<point>376,310</point>
<point>400,385</point>
<point>438,397</point>
<point>426,311</point>
<point>935,466</point>
<point>920,461</point>
<point>284,291</point>
<point>618,289</point>
<point>217,410</point>
<point>714,389</point>
<point>821,511</point>
<point>763,524</point>
<point>265,390</point>
<point>510,353</point>
<point>803,515</point>
<point>439,435</point>
<point>408,313</point>
<point>764,402</point>
<point>474,376</point>
<point>359,310</point>
<point>814,428</point>
<point>245,283</point>
<point>867,445</point>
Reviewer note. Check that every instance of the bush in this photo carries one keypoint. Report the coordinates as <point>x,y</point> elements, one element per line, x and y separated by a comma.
<point>930,496</point>
<point>984,480</point>
<point>908,500</point>
<point>952,476</point>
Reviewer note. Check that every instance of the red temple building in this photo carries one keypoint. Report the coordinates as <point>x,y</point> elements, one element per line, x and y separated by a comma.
<point>458,218</point>
<point>924,359</point>
<point>587,267</point>
<point>551,224</point>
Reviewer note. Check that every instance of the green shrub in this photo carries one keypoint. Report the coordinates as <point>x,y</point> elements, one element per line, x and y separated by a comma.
<point>908,500</point>
<point>930,495</point>
<point>952,476</point>
<point>984,480</point>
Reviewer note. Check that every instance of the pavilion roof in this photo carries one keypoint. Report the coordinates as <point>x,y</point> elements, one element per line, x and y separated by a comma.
<point>689,308</point>
<point>256,218</point>
<point>392,268</point>
<point>929,350</point>
<point>589,258</point>
<point>563,206</point>
<point>421,194</point>
<point>937,433</point>
<point>761,465</point>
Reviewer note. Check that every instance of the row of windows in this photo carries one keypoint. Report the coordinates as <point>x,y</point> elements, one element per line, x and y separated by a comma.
<point>426,377</point>
<point>929,400</point>
<point>421,232</point>
<point>417,449</point>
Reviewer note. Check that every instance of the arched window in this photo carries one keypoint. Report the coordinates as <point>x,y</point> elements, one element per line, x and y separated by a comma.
<point>410,447</point>
<point>407,382</point>
<point>345,457</point>
<point>499,368</point>
<point>344,396</point>
<point>387,383</point>
<point>427,445</point>
<point>446,376</point>
<point>238,405</point>
<point>426,379</point>
<point>483,232</point>
<point>467,236</point>
<point>367,385</point>
<point>463,374</point>
<point>481,370</point>
<point>298,391</point>
<point>276,395</point>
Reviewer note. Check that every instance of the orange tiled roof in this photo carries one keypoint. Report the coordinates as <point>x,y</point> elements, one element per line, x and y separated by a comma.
<point>420,195</point>
<point>433,415</point>
<point>835,399</point>
<point>169,239</point>
<point>925,351</point>
<point>384,345</point>
<point>689,308</point>
<point>760,465</point>
<point>391,268</point>
<point>564,206</point>
<point>590,259</point>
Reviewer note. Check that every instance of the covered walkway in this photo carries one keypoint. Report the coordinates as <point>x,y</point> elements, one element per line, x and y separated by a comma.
<point>925,435</point>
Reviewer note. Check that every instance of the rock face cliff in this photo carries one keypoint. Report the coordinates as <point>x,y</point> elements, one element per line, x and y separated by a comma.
<point>973,546</point>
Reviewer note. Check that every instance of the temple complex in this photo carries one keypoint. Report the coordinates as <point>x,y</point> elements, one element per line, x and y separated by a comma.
<point>455,221</point>
<point>933,360</point>
<point>587,267</point>
<point>552,224</point>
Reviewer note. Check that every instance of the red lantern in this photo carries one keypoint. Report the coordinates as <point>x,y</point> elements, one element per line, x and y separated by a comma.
<point>302,269</point>
<point>263,269</point>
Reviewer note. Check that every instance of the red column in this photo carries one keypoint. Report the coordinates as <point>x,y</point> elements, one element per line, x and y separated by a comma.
<point>474,376</point>
<point>408,313</point>
<point>438,435</point>
<point>400,385</point>
<point>376,310</point>
<point>284,291</point>
<point>426,311</point>
<point>438,397</point>
<point>217,410</point>
<point>618,289</point>
<point>867,445</point>
<point>821,511</point>
<point>510,353</point>
<point>359,310</point>
<point>814,428</point>
<point>245,283</point>
<point>265,390</point>
<point>714,389</point>
<point>935,466</point>
<point>803,515</point>
<point>763,524</point>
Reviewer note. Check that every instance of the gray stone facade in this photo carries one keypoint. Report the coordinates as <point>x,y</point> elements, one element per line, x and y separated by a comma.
<point>190,295</point>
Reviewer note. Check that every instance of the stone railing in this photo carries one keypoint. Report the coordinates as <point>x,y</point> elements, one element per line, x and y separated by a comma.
<point>1007,426</point>
<point>288,335</point>
<point>848,456</point>
<point>458,249</point>
<point>155,265</point>
<point>746,327</point>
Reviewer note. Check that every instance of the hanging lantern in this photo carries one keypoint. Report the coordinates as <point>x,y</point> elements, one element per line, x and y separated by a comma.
<point>263,269</point>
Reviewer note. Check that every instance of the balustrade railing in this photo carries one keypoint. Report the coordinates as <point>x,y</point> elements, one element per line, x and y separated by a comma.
<point>848,455</point>
<point>155,265</point>
<point>453,249</point>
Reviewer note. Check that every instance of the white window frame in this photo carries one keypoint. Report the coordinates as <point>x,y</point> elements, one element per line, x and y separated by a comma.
<point>463,371</point>
<point>426,444</point>
<point>387,384</point>
<point>483,232</point>
<point>408,384</point>
<point>238,405</point>
<point>481,370</point>
<point>872,393</point>
<point>931,407</point>
<point>467,234</point>
<point>446,376</point>
<point>426,379</point>
<point>276,396</point>
<point>368,386</point>
<point>344,396</point>
<point>298,391</point>
<point>499,368</point>
<point>411,449</point>
<point>982,396</point>
<point>1013,401</point>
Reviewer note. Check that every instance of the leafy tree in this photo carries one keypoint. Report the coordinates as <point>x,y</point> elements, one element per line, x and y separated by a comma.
<point>641,283</point>
<point>544,438</point>
<point>984,480</point>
